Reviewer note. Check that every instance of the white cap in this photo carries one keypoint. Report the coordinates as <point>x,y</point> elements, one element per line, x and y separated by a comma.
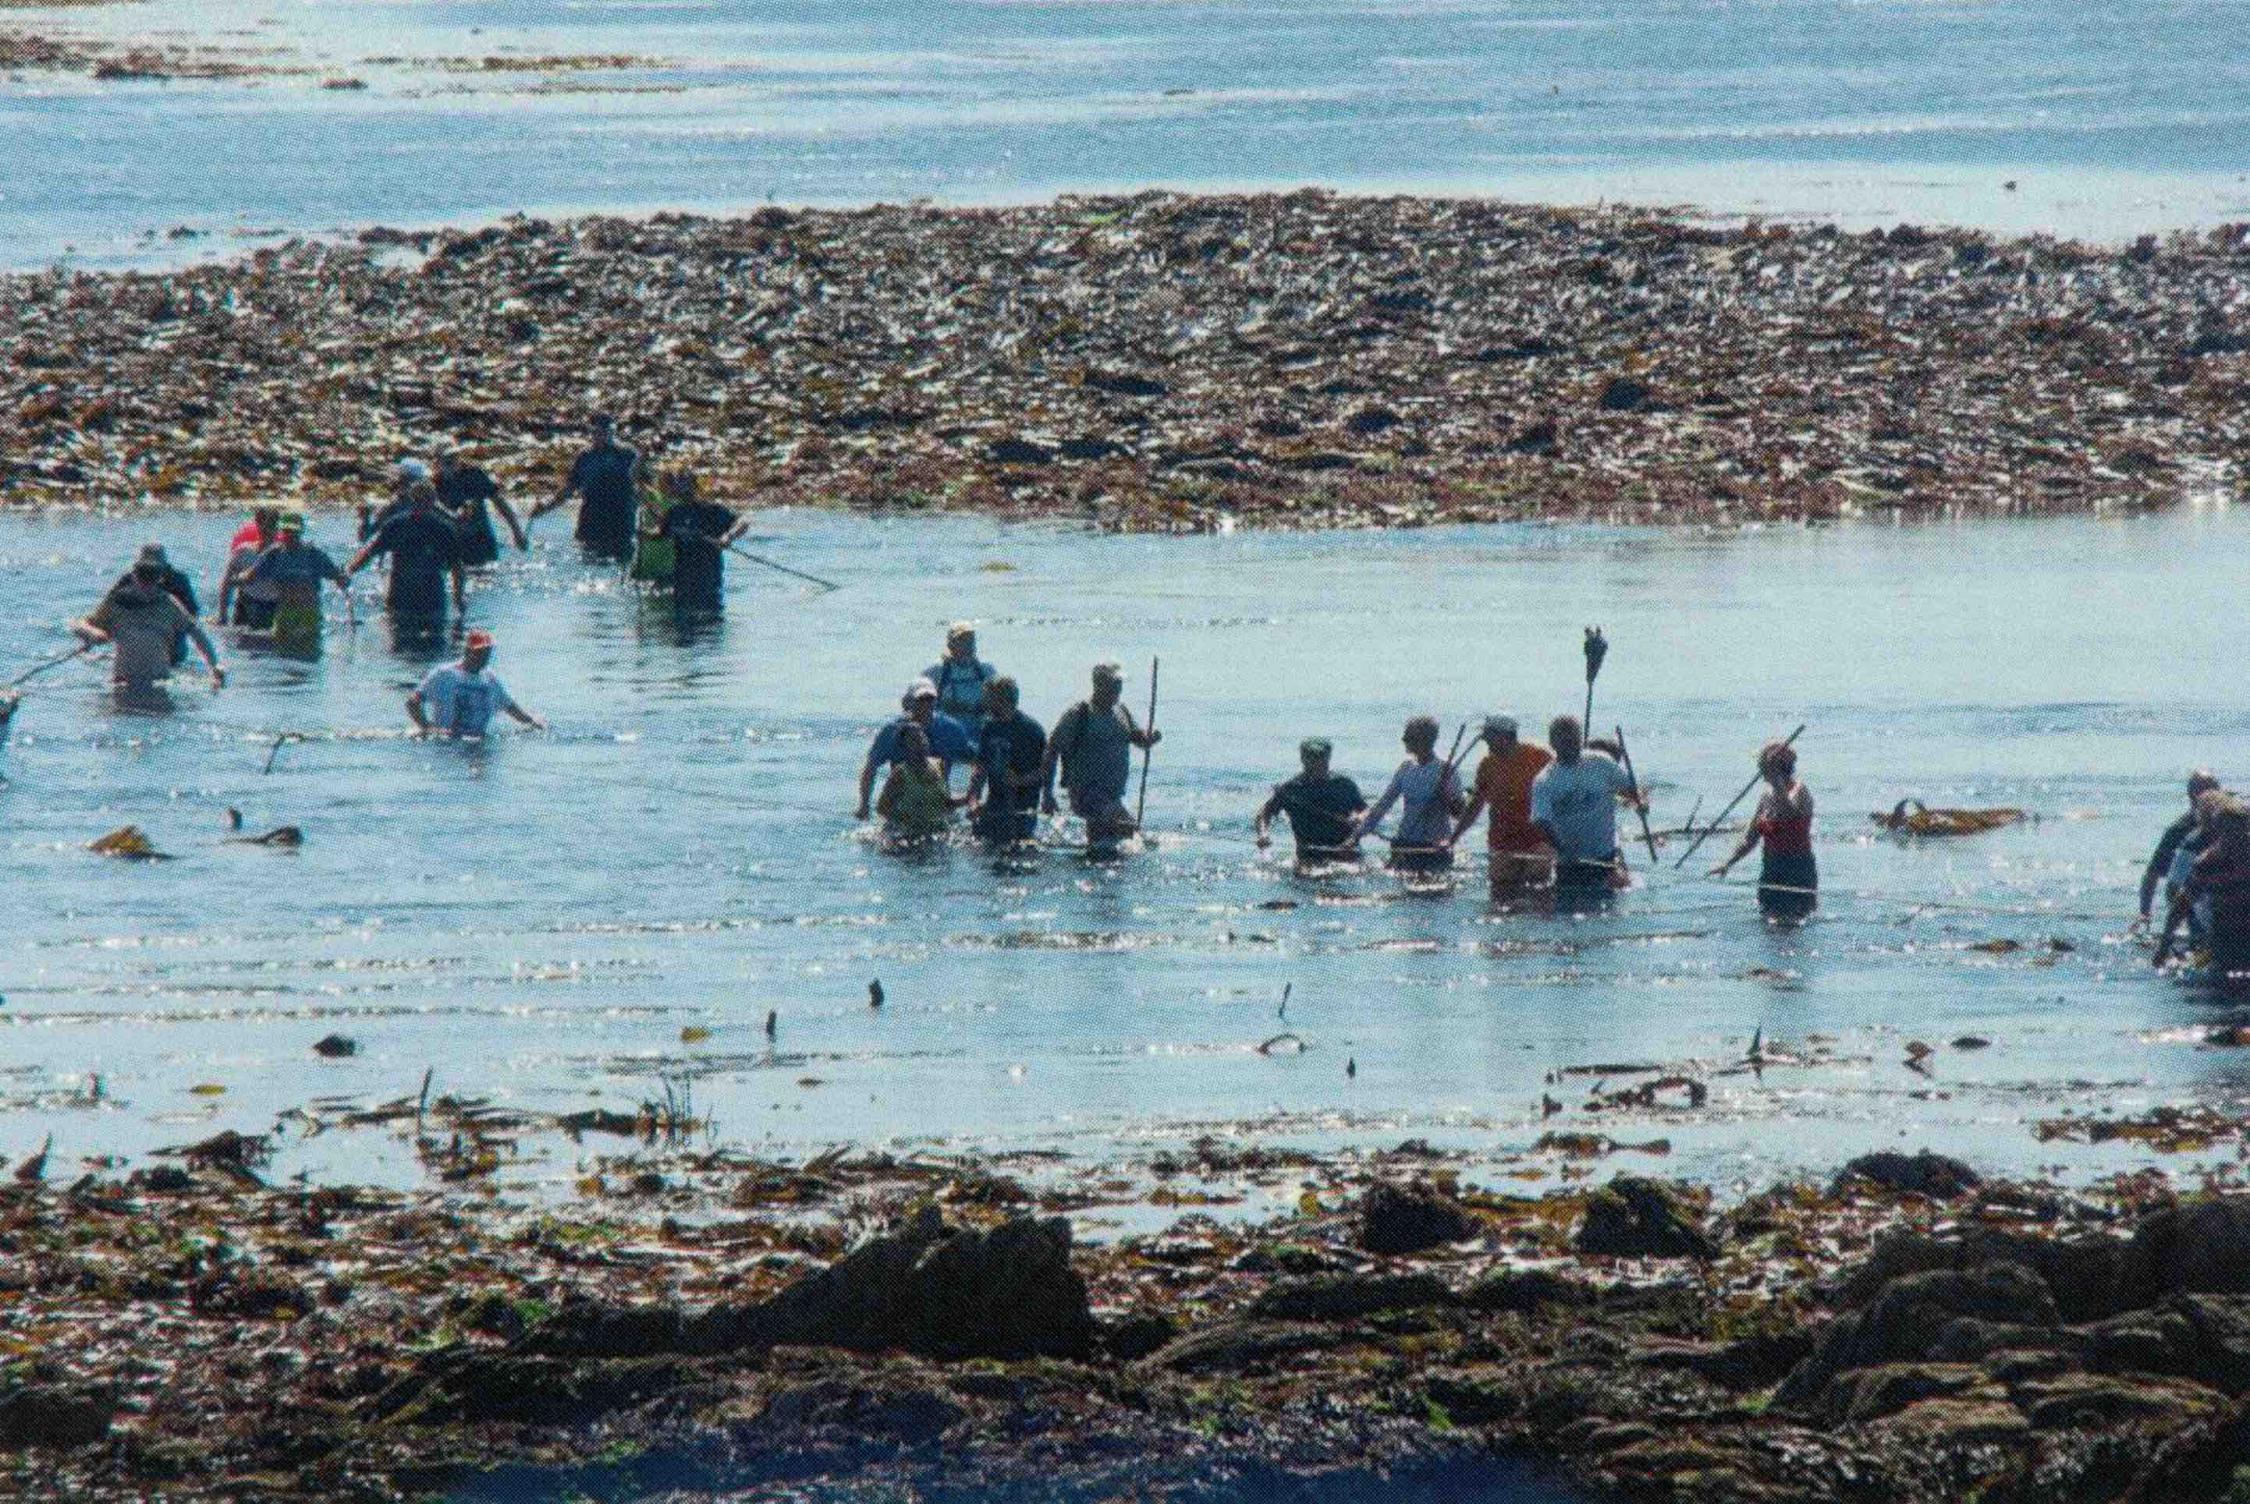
<point>411,471</point>
<point>924,688</point>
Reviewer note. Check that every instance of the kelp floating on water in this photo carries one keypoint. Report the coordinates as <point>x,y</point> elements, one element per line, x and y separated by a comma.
<point>1165,362</point>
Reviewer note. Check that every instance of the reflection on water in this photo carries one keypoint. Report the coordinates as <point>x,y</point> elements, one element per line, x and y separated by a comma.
<point>537,918</point>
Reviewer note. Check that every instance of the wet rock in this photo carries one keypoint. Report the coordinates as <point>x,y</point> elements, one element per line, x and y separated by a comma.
<point>478,1386</point>
<point>1872,1393</point>
<point>1906,1318</point>
<point>1473,1397</point>
<point>335,1047</point>
<point>54,1415</point>
<point>1126,384</point>
<point>1132,1338</point>
<point>1396,1219</point>
<point>1541,436</point>
<point>1018,452</point>
<point>2201,1248</point>
<point>1004,1293</point>
<point>1936,1176</point>
<point>1524,1290</point>
<point>1372,419</point>
<point>2083,1401</point>
<point>1745,1363</point>
<point>1637,1217</point>
<point>1950,1425</point>
<point>1624,394</point>
<point>1348,1297</point>
<point>903,1413</point>
<point>1236,1346</point>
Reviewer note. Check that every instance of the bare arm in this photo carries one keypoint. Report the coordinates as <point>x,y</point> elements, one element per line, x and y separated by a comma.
<point>414,711</point>
<point>1468,819</point>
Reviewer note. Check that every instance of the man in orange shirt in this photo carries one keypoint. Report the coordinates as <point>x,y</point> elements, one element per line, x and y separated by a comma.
<point>1519,858</point>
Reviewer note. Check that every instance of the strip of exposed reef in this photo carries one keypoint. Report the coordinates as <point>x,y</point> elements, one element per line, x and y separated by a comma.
<point>1166,362</point>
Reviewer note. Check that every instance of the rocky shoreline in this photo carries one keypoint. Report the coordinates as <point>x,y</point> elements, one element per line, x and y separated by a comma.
<point>864,1327</point>
<point>1165,362</point>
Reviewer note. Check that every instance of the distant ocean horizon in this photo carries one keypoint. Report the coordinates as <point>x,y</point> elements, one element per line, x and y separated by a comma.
<point>2015,116</point>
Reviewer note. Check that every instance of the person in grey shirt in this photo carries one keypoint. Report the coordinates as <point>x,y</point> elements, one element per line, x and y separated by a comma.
<point>1092,746</point>
<point>144,620</point>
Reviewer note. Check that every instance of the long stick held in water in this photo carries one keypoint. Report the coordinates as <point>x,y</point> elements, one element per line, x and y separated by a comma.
<point>45,664</point>
<point>1721,818</point>
<point>1640,805</point>
<point>1597,648</point>
<point>1140,808</point>
<point>736,548</point>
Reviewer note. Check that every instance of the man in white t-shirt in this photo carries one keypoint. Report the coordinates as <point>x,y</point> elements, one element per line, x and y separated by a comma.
<point>1574,805</point>
<point>460,699</point>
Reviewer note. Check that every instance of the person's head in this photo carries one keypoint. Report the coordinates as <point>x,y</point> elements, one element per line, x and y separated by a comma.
<point>152,556</point>
<point>603,427</point>
<point>961,642</point>
<point>2200,782</point>
<point>476,650</point>
<point>1499,732</point>
<point>1001,697</point>
<point>422,495</point>
<point>1567,738</point>
<point>1777,762</point>
<point>265,520</point>
<point>912,746</point>
<point>2225,818</point>
<point>445,459</point>
<point>1109,683</point>
<point>1314,753</point>
<point>1420,735</point>
<point>289,531</point>
<point>921,700</point>
<point>409,473</point>
<point>680,485</point>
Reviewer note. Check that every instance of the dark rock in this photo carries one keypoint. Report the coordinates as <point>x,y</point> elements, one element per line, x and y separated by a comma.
<point>1636,1217</point>
<point>1969,1339</point>
<point>1088,449</point>
<point>2084,1401</point>
<point>1925,1174</point>
<point>1471,1397</point>
<point>2147,1342</point>
<point>1540,436</point>
<point>1132,1338</point>
<point>1945,1426</point>
<point>1872,1393</point>
<point>1238,1345</point>
<point>1004,1293</point>
<point>476,1387</point>
<point>1905,1320</point>
<point>1126,384</point>
<point>907,1414</point>
<point>1624,394</point>
<point>53,1415</point>
<point>2202,1248</point>
<point>1371,419</point>
<point>161,1180</point>
<point>1346,1297</point>
<point>1747,1363</point>
<point>335,1047</point>
<point>2199,1461</point>
<point>1523,1290</point>
<point>1397,1219</point>
<point>250,1294</point>
<point>1018,452</point>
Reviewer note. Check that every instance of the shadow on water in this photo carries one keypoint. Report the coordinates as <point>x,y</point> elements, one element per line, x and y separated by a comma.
<point>674,1475</point>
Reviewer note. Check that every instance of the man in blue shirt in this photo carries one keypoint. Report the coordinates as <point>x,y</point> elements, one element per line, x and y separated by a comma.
<point>1011,752</point>
<point>950,741</point>
<point>1323,807</point>
<point>961,677</point>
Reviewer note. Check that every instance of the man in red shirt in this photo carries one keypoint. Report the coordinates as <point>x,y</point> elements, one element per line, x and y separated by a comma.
<point>1520,858</point>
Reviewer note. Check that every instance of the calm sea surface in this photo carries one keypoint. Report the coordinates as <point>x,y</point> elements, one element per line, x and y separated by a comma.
<point>2108,119</point>
<point>538,920</point>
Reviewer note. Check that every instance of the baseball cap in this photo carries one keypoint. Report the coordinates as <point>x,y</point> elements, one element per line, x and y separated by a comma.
<point>151,553</point>
<point>1315,746</point>
<point>477,639</point>
<point>921,689</point>
<point>959,630</point>
<point>291,522</point>
<point>1499,725</point>
<point>411,471</point>
<point>1110,671</point>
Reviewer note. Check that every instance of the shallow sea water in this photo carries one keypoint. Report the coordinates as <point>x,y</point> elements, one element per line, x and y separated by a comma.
<point>2106,120</point>
<point>537,920</point>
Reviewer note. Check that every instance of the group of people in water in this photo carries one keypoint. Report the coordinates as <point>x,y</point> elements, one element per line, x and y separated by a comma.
<point>1550,811</point>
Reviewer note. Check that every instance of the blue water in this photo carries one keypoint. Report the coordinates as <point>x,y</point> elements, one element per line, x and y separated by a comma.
<point>539,920</point>
<point>2110,120</point>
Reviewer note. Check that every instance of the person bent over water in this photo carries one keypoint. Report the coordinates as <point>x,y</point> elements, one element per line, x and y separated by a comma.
<point>915,803</point>
<point>1574,805</point>
<point>1092,745</point>
<point>1011,761</point>
<point>1789,881</point>
<point>2219,883</point>
<point>2177,849</point>
<point>1517,853</point>
<point>1433,800</point>
<point>144,620</point>
<point>949,739</point>
<point>460,699</point>
<point>1323,807</point>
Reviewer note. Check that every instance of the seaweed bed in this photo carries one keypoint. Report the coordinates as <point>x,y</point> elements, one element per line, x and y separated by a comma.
<point>1165,362</point>
<point>698,1324</point>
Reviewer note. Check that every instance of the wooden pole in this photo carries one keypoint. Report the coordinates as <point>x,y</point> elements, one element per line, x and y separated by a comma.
<point>1140,808</point>
<point>1721,818</point>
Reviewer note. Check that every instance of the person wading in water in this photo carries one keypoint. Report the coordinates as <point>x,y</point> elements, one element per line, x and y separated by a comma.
<point>1788,884</point>
<point>1432,800</point>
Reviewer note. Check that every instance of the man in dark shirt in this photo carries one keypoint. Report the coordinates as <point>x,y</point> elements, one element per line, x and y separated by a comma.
<point>2179,833</point>
<point>468,497</point>
<point>1011,752</point>
<point>699,531</point>
<point>1322,807</point>
<point>603,476</point>
<point>172,582</point>
<point>424,550</point>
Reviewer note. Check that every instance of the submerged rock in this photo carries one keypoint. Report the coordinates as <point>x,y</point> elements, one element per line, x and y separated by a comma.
<point>1924,1174</point>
